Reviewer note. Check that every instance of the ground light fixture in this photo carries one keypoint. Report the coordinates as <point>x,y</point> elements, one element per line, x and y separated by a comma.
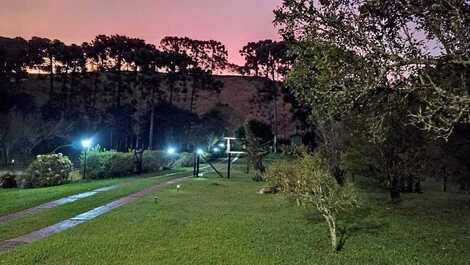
<point>199,151</point>
<point>216,149</point>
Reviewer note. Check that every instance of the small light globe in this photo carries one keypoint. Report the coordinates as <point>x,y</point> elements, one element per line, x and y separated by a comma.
<point>222,145</point>
<point>216,150</point>
<point>171,151</point>
<point>86,144</point>
<point>199,151</point>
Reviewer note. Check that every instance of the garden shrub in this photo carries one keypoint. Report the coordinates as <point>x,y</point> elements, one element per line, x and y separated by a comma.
<point>47,170</point>
<point>154,161</point>
<point>308,181</point>
<point>120,165</point>
<point>97,163</point>
<point>8,181</point>
<point>112,164</point>
<point>184,160</point>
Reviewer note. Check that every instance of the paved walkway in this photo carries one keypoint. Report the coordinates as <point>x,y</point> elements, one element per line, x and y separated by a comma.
<point>53,204</point>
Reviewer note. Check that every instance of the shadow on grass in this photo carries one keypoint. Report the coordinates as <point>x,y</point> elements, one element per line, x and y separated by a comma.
<point>358,222</point>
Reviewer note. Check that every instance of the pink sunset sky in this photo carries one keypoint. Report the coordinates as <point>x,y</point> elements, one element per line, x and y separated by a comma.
<point>233,22</point>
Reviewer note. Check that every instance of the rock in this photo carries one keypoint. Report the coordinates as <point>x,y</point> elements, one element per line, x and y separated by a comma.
<point>267,190</point>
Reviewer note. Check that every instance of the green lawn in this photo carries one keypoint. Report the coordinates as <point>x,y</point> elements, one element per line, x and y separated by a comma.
<point>20,199</point>
<point>215,221</point>
<point>51,216</point>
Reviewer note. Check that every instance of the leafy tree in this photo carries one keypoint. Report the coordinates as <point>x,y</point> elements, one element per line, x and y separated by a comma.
<point>365,60</point>
<point>256,151</point>
<point>15,58</point>
<point>308,181</point>
<point>260,130</point>
<point>206,57</point>
<point>269,59</point>
<point>388,36</point>
<point>47,51</point>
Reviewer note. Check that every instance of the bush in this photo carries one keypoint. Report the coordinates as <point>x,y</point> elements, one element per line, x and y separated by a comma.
<point>111,164</point>
<point>97,164</point>
<point>120,165</point>
<point>307,180</point>
<point>107,164</point>
<point>154,161</point>
<point>184,160</point>
<point>47,170</point>
<point>8,181</point>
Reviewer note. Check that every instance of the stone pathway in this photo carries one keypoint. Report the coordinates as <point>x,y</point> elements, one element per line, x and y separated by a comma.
<point>17,215</point>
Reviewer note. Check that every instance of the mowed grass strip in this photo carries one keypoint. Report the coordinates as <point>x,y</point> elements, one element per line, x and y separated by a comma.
<point>54,215</point>
<point>218,221</point>
<point>14,200</point>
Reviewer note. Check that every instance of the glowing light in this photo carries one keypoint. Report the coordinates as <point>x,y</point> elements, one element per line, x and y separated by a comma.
<point>200,151</point>
<point>86,143</point>
<point>216,150</point>
<point>171,151</point>
<point>222,145</point>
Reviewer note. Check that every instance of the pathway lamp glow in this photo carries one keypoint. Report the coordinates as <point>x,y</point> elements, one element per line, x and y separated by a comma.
<point>171,151</point>
<point>216,149</point>
<point>199,151</point>
<point>86,144</point>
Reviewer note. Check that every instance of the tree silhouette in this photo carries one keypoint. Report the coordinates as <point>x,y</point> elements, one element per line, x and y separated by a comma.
<point>269,59</point>
<point>46,51</point>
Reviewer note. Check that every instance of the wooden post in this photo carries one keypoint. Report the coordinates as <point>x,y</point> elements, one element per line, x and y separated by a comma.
<point>198,161</point>
<point>194,164</point>
<point>229,164</point>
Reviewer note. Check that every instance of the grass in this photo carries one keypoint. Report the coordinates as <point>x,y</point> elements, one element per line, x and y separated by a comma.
<point>218,221</point>
<point>20,199</point>
<point>54,215</point>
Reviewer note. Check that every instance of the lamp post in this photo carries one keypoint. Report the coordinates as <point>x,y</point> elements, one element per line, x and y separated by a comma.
<point>86,144</point>
<point>199,153</point>
<point>171,151</point>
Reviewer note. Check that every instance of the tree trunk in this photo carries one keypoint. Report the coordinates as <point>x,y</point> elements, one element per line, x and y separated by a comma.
<point>275,125</point>
<point>51,76</point>
<point>111,140</point>
<point>444,183</point>
<point>5,155</point>
<point>152,128</point>
<point>395,189</point>
<point>332,227</point>
<point>193,96</point>
<point>418,186</point>
<point>409,187</point>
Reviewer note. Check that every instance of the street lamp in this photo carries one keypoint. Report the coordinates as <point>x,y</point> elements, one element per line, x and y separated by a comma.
<point>86,144</point>
<point>171,151</point>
